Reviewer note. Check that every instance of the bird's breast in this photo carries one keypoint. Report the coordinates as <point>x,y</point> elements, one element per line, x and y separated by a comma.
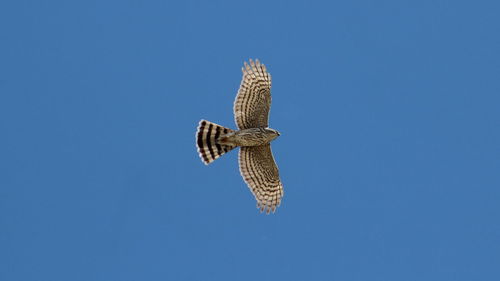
<point>247,137</point>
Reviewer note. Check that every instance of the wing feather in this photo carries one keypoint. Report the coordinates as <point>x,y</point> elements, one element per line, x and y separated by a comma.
<point>259,170</point>
<point>253,101</point>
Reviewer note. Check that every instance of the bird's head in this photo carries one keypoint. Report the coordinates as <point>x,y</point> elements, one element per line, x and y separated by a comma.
<point>273,132</point>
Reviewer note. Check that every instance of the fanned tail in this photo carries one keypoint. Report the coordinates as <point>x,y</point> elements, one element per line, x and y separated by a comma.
<point>206,140</point>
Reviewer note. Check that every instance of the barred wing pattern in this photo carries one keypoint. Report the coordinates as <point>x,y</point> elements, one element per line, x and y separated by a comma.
<point>261,174</point>
<point>252,104</point>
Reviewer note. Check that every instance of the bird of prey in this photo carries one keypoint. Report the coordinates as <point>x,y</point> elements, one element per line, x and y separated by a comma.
<point>251,113</point>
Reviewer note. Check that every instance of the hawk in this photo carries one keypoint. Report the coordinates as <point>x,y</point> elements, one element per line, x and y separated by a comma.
<point>251,113</point>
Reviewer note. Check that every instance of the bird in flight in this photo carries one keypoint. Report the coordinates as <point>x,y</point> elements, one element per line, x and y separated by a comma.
<point>251,113</point>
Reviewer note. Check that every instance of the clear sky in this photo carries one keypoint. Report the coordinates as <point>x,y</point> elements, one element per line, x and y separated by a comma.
<point>389,113</point>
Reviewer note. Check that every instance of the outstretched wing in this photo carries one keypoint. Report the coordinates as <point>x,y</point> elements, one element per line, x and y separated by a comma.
<point>261,174</point>
<point>253,101</point>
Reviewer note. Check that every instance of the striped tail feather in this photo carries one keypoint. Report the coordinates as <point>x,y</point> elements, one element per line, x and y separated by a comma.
<point>206,140</point>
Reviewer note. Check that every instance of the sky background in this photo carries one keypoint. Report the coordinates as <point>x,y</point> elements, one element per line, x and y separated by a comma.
<point>389,149</point>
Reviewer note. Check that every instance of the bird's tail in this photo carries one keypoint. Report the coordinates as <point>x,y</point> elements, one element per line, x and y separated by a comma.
<point>207,138</point>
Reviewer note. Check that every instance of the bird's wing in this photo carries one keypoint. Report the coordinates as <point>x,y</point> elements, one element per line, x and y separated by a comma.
<point>261,174</point>
<point>253,101</point>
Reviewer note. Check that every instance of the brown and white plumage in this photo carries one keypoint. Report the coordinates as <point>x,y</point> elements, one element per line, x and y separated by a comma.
<point>258,169</point>
<point>251,113</point>
<point>253,101</point>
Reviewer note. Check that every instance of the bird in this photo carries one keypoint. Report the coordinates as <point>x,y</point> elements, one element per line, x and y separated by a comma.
<point>253,136</point>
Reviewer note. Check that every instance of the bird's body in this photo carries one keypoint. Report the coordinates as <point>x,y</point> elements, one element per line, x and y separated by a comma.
<point>251,112</point>
<point>249,137</point>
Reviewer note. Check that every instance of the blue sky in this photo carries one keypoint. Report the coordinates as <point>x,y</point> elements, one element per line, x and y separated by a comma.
<point>389,148</point>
